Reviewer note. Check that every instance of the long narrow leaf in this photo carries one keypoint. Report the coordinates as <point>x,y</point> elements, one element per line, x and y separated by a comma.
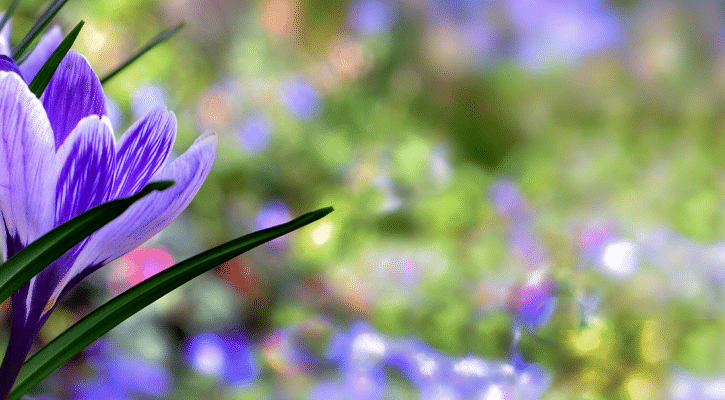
<point>37,27</point>
<point>9,13</point>
<point>24,265</point>
<point>42,78</point>
<point>160,38</point>
<point>115,311</point>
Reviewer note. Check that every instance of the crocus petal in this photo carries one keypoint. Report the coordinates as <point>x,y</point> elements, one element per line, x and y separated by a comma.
<point>88,168</point>
<point>40,54</point>
<point>87,160</point>
<point>73,93</point>
<point>142,150</point>
<point>5,48</point>
<point>8,64</point>
<point>26,154</point>
<point>149,215</point>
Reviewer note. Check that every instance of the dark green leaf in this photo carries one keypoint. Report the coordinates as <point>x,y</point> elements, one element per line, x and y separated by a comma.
<point>42,78</point>
<point>24,265</point>
<point>37,27</point>
<point>9,13</point>
<point>102,320</point>
<point>160,38</point>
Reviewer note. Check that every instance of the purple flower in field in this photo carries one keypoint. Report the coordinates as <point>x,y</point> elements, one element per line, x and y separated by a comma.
<point>555,32</point>
<point>360,353</point>
<point>301,98</point>
<point>509,202</point>
<point>255,133</point>
<point>534,302</point>
<point>228,356</point>
<point>123,376</point>
<point>684,385</point>
<point>58,158</point>
<point>420,363</point>
<point>35,60</point>
<point>371,17</point>
<point>273,212</point>
<point>512,206</point>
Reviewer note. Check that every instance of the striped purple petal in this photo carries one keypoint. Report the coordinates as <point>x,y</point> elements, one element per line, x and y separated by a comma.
<point>26,154</point>
<point>40,54</point>
<point>148,216</point>
<point>88,168</point>
<point>73,93</point>
<point>143,149</point>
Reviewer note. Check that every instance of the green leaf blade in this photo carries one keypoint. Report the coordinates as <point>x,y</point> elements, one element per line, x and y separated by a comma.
<point>24,265</point>
<point>42,78</point>
<point>9,13</point>
<point>160,38</point>
<point>37,27</point>
<point>115,311</point>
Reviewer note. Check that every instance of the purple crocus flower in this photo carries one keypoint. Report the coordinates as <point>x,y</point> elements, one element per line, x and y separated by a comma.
<point>58,158</point>
<point>35,60</point>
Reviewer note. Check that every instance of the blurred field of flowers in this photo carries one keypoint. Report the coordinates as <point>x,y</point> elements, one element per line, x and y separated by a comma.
<point>529,193</point>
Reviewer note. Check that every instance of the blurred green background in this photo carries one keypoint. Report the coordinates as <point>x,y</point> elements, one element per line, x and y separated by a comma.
<point>607,115</point>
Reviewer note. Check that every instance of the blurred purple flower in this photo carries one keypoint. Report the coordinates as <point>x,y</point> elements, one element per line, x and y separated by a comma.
<point>146,98</point>
<point>227,355</point>
<point>533,303</point>
<point>301,98</point>
<point>420,363</point>
<point>526,245</point>
<point>459,11</point>
<point>531,380</point>
<point>255,133</point>
<point>59,158</point>
<point>273,212</point>
<point>286,354</point>
<point>511,205</point>
<point>509,202</point>
<point>470,374</point>
<point>123,376</point>
<point>685,386</point>
<point>114,113</point>
<point>360,353</point>
<point>371,17</point>
<point>557,32</point>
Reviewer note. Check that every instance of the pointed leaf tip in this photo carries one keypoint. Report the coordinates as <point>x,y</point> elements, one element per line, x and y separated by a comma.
<point>160,185</point>
<point>42,78</point>
<point>160,38</point>
<point>37,27</point>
